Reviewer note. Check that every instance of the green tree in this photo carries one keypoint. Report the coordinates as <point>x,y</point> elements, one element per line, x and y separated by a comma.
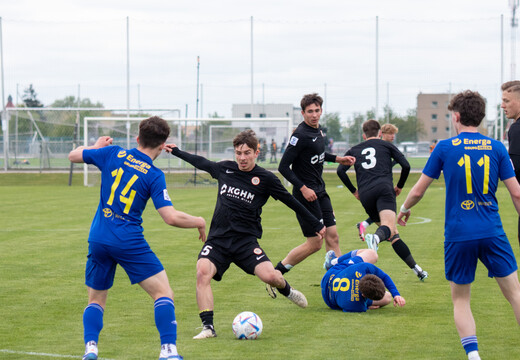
<point>72,102</point>
<point>409,126</point>
<point>333,125</point>
<point>354,132</point>
<point>30,97</point>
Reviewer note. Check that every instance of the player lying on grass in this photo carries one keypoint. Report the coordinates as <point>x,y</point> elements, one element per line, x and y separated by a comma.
<point>376,191</point>
<point>244,188</point>
<point>353,283</point>
<point>472,164</point>
<point>128,180</point>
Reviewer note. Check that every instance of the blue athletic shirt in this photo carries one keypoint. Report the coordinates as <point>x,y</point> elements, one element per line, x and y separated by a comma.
<point>128,180</point>
<point>472,164</point>
<point>340,285</point>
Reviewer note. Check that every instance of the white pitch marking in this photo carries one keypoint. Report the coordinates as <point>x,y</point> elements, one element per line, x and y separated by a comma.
<point>30,353</point>
<point>423,221</point>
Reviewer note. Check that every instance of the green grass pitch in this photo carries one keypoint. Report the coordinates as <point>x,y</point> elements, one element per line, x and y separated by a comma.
<point>43,244</point>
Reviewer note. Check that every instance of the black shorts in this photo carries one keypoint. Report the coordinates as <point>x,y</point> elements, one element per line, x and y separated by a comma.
<point>379,198</point>
<point>243,250</point>
<point>321,208</point>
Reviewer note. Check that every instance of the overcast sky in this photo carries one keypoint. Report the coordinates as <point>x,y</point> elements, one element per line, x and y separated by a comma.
<point>299,47</point>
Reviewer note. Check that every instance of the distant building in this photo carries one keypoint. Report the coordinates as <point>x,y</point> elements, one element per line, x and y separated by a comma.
<point>435,118</point>
<point>267,111</point>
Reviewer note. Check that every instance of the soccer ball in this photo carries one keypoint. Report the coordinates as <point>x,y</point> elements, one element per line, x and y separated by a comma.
<point>247,325</point>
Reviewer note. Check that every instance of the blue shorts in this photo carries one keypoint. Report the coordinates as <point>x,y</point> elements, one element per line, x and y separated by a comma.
<point>461,257</point>
<point>102,260</point>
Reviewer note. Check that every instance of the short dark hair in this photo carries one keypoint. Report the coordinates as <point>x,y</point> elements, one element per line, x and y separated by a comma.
<point>511,86</point>
<point>371,128</point>
<point>247,137</point>
<point>372,287</point>
<point>310,99</point>
<point>470,105</point>
<point>153,132</point>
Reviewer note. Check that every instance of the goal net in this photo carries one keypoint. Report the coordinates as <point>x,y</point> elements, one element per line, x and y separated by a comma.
<point>208,137</point>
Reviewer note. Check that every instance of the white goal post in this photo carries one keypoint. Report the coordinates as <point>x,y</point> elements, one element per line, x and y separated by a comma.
<point>209,137</point>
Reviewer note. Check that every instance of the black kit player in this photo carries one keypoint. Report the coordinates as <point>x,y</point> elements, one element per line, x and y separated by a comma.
<point>376,189</point>
<point>302,164</point>
<point>244,188</point>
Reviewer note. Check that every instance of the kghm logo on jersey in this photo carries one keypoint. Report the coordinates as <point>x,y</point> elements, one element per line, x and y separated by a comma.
<point>467,205</point>
<point>236,193</point>
<point>107,212</point>
<point>456,142</point>
<point>121,154</point>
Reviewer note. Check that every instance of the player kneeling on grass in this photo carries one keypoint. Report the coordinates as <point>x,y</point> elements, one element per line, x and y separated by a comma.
<point>244,188</point>
<point>353,284</point>
<point>128,180</point>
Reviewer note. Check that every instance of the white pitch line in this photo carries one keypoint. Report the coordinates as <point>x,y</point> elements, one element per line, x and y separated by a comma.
<point>30,353</point>
<point>423,221</point>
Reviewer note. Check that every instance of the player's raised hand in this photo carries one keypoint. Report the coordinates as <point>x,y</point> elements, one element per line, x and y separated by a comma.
<point>168,147</point>
<point>346,160</point>
<point>399,301</point>
<point>321,233</point>
<point>103,141</point>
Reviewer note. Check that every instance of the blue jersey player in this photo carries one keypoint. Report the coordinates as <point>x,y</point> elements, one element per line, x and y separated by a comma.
<point>353,283</point>
<point>128,180</point>
<point>472,164</point>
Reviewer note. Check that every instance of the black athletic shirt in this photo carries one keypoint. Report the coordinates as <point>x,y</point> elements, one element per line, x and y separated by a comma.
<point>306,153</point>
<point>241,195</point>
<point>513,136</point>
<point>374,165</point>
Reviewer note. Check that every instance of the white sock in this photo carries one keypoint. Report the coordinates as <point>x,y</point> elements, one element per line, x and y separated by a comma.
<point>473,355</point>
<point>168,350</point>
<point>91,347</point>
<point>376,239</point>
<point>417,269</point>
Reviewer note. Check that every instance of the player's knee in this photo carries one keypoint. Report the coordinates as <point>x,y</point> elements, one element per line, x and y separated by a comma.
<point>314,244</point>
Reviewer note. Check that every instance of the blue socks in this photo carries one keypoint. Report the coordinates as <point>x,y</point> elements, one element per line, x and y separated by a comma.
<point>470,343</point>
<point>165,320</point>
<point>92,322</point>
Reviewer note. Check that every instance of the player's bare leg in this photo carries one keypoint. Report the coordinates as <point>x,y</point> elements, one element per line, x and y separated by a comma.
<point>464,321</point>
<point>205,272</point>
<point>511,289</point>
<point>332,240</point>
<point>273,278</point>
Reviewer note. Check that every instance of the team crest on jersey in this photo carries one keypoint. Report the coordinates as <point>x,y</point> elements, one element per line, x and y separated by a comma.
<point>107,212</point>
<point>166,196</point>
<point>121,154</point>
<point>456,142</point>
<point>293,141</point>
<point>467,205</point>
<point>358,274</point>
<point>257,251</point>
<point>255,180</point>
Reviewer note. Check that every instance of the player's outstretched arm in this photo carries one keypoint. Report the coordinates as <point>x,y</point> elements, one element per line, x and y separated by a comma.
<point>514,190</point>
<point>76,155</point>
<point>346,160</point>
<point>414,196</point>
<point>180,219</point>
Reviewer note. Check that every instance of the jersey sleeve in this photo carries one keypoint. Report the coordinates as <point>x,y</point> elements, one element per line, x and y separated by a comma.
<point>342,174</point>
<point>435,162</point>
<point>405,165</point>
<point>279,192</point>
<point>288,158</point>
<point>159,193</point>
<point>199,162</point>
<point>99,156</point>
<point>505,170</point>
<point>387,280</point>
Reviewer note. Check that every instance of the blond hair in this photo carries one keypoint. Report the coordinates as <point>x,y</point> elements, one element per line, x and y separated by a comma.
<point>389,129</point>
